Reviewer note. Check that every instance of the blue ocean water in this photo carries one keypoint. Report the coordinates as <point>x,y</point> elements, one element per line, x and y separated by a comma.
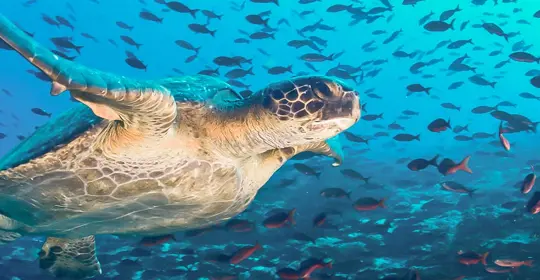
<point>424,229</point>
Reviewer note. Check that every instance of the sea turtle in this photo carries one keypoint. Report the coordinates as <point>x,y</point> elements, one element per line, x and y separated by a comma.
<point>153,157</point>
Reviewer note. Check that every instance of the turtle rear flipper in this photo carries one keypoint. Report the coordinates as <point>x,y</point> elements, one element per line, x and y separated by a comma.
<point>8,229</point>
<point>110,96</point>
<point>70,258</point>
<point>8,236</point>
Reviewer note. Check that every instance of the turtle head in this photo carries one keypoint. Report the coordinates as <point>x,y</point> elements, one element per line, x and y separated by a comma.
<point>291,113</point>
<point>312,108</point>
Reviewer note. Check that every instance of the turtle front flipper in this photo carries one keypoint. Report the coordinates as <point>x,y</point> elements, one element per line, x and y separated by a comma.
<point>70,258</point>
<point>331,148</point>
<point>110,96</point>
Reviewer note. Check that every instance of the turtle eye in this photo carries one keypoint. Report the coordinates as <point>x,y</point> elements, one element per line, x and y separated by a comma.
<point>55,249</point>
<point>322,90</point>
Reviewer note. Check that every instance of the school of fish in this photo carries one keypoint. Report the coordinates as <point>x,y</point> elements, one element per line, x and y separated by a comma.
<point>438,180</point>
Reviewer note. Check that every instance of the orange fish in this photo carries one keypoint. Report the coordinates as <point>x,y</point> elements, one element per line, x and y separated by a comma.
<point>244,253</point>
<point>238,225</point>
<point>304,272</point>
<point>533,205</point>
<point>469,258</point>
<point>156,240</point>
<point>497,270</point>
<point>280,219</point>
<point>224,276</point>
<point>368,203</point>
<point>319,219</point>
<point>528,182</point>
<point>504,141</point>
<point>513,263</point>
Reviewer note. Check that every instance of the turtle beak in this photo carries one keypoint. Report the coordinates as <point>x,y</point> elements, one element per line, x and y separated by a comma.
<point>351,104</point>
<point>344,112</point>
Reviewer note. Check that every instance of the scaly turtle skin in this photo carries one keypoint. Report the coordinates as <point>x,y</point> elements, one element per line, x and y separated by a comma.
<point>153,157</point>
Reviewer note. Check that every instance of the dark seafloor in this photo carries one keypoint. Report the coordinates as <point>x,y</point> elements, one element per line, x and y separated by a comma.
<point>449,78</point>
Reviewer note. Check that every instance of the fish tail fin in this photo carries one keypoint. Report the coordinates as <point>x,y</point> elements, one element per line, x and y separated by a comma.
<point>528,263</point>
<point>458,9</point>
<point>160,20</point>
<point>318,175</point>
<point>471,192</point>
<point>250,71</point>
<point>48,115</point>
<point>78,49</point>
<point>257,246</point>
<point>364,107</point>
<point>484,258</point>
<point>505,37</point>
<point>276,2</point>
<point>265,22</point>
<point>348,195</point>
<point>452,24</point>
<point>381,116</point>
<point>290,217</point>
<point>193,13</point>
<point>433,161</point>
<point>328,264</point>
<point>448,124</point>
<point>366,180</point>
<point>493,84</point>
<point>427,90</point>
<point>289,68</point>
<point>464,165</point>
<point>213,33</point>
<point>417,137</point>
<point>381,203</point>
